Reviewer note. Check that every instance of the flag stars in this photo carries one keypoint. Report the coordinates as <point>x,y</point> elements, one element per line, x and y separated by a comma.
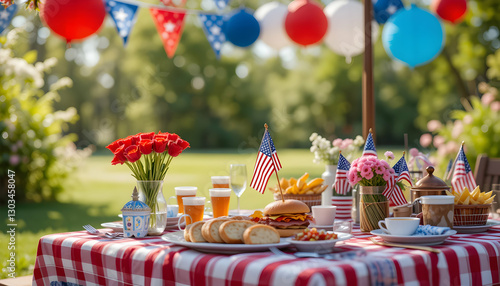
<point>4,15</point>
<point>120,15</point>
<point>215,30</point>
<point>392,9</point>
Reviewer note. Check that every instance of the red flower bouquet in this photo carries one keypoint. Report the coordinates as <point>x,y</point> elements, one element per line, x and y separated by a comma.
<point>149,155</point>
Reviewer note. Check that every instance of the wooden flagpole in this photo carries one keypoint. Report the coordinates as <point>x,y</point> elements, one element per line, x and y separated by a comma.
<point>275,171</point>
<point>368,101</point>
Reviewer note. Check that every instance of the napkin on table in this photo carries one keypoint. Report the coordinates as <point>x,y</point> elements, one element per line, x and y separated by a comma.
<point>431,230</point>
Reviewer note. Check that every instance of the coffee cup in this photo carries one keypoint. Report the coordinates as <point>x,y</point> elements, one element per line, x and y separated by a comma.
<point>172,210</point>
<point>324,215</point>
<point>438,210</point>
<point>399,225</point>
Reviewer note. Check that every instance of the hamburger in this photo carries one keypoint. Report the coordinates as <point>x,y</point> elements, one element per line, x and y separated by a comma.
<point>288,217</point>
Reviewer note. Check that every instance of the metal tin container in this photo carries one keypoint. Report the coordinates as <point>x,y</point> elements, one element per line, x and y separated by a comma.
<point>430,185</point>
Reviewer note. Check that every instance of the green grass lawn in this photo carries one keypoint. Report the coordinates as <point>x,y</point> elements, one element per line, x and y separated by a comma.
<point>97,192</point>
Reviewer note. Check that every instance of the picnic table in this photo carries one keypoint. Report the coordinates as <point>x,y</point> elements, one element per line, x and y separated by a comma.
<point>84,259</point>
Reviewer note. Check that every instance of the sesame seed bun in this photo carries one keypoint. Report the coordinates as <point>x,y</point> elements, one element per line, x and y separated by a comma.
<point>288,206</point>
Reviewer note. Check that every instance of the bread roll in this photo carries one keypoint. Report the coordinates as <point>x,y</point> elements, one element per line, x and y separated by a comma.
<point>195,232</point>
<point>210,230</point>
<point>261,234</point>
<point>232,231</point>
<point>240,217</point>
<point>186,233</point>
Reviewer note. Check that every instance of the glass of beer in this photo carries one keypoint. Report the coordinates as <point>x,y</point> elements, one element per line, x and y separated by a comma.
<point>194,207</point>
<point>220,182</point>
<point>182,192</point>
<point>220,201</point>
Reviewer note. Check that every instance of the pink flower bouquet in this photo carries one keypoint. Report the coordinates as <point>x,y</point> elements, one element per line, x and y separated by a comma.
<point>370,171</point>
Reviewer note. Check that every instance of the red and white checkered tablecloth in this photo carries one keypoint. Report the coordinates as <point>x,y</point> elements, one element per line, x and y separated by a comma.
<point>83,259</point>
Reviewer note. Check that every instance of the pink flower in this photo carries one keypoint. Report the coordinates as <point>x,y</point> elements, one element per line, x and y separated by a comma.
<point>458,128</point>
<point>367,175</point>
<point>414,152</point>
<point>468,119</point>
<point>487,98</point>
<point>425,141</point>
<point>389,155</point>
<point>14,160</point>
<point>495,106</point>
<point>380,170</point>
<point>337,142</point>
<point>434,125</point>
<point>353,177</point>
<point>386,176</point>
<point>438,141</point>
<point>346,143</point>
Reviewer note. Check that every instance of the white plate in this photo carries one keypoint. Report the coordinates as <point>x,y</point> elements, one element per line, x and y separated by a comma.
<point>178,238</point>
<point>115,226</point>
<point>325,227</point>
<point>413,239</point>
<point>320,246</point>
<point>476,228</point>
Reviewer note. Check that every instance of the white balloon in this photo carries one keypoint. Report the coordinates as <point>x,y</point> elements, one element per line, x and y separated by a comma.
<point>345,35</point>
<point>271,17</point>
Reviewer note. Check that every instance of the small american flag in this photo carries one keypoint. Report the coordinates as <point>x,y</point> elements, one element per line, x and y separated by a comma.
<point>267,162</point>
<point>402,174</point>
<point>462,176</point>
<point>369,146</point>
<point>341,182</point>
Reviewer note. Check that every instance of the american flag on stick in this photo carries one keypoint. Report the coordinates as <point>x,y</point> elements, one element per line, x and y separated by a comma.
<point>267,163</point>
<point>341,184</point>
<point>462,176</point>
<point>402,174</point>
<point>369,146</point>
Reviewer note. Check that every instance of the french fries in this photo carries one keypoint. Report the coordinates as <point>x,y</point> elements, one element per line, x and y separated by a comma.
<point>300,186</point>
<point>475,197</point>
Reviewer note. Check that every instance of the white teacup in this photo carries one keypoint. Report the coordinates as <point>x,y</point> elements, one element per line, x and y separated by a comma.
<point>400,225</point>
<point>324,215</point>
<point>172,210</point>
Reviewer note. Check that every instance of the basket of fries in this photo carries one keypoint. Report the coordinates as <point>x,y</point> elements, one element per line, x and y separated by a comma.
<point>471,208</point>
<point>299,189</point>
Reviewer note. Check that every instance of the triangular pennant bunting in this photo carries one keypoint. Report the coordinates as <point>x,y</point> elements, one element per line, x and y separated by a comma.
<point>212,26</point>
<point>221,4</point>
<point>169,25</point>
<point>174,3</point>
<point>123,14</point>
<point>6,15</point>
<point>384,9</point>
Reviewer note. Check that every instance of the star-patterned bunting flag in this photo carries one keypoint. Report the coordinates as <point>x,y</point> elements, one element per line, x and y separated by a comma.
<point>369,146</point>
<point>341,181</point>
<point>124,16</point>
<point>169,25</point>
<point>402,174</point>
<point>462,176</point>
<point>221,4</point>
<point>6,15</point>
<point>384,9</point>
<point>212,26</point>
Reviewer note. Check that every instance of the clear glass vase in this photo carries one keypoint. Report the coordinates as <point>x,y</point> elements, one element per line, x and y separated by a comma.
<point>329,178</point>
<point>373,206</point>
<point>151,193</point>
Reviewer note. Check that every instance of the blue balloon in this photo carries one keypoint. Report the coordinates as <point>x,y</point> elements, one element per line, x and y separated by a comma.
<point>241,29</point>
<point>413,36</point>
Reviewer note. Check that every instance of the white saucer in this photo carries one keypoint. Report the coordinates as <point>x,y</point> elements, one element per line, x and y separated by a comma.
<point>413,239</point>
<point>475,228</point>
<point>116,226</point>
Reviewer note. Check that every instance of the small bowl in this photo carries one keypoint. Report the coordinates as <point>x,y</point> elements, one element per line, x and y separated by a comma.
<point>320,246</point>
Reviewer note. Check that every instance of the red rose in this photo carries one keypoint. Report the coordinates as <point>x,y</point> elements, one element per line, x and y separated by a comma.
<point>173,149</point>
<point>173,137</point>
<point>134,139</point>
<point>119,156</point>
<point>132,153</point>
<point>161,135</point>
<point>113,146</point>
<point>148,136</point>
<point>159,144</point>
<point>183,143</point>
<point>125,142</point>
<point>146,146</point>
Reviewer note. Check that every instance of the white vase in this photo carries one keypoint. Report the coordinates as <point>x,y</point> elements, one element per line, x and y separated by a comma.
<point>329,178</point>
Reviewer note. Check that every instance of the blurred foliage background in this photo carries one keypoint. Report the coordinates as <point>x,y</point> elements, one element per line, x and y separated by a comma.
<point>223,104</point>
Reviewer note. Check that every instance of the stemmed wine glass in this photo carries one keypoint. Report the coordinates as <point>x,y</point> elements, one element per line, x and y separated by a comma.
<point>238,180</point>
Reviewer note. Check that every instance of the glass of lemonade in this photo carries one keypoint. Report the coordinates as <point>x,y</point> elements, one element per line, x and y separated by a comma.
<point>194,208</point>
<point>220,201</point>
<point>238,180</point>
<point>220,182</point>
<point>182,192</point>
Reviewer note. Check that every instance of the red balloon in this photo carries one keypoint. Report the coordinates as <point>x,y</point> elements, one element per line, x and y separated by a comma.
<point>305,23</point>
<point>73,19</point>
<point>449,10</point>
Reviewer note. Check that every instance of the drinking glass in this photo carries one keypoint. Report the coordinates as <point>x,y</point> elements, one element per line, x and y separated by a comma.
<point>194,208</point>
<point>238,180</point>
<point>495,206</point>
<point>220,201</point>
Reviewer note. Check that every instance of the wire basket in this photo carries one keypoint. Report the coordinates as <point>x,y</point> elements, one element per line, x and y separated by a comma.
<point>309,200</point>
<point>468,215</point>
